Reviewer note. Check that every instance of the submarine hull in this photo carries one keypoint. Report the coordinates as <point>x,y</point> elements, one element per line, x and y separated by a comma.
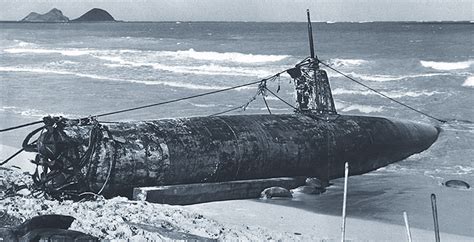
<point>227,148</point>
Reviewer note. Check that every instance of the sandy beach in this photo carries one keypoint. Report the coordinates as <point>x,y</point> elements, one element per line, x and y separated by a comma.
<point>243,220</point>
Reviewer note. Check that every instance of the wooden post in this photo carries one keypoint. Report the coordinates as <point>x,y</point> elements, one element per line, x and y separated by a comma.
<point>343,228</point>
<point>435,217</point>
<point>405,217</point>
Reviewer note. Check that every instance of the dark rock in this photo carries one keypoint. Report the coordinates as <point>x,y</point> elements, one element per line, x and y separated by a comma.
<point>315,182</point>
<point>276,192</point>
<point>53,16</point>
<point>311,189</point>
<point>95,15</point>
<point>44,228</point>
<point>457,184</point>
<point>44,222</point>
<point>57,235</point>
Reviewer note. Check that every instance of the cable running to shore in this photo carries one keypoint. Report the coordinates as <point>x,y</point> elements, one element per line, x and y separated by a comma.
<point>383,95</point>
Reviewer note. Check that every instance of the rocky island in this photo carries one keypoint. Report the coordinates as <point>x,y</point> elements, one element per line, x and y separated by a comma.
<point>95,15</point>
<point>56,16</point>
<point>53,16</point>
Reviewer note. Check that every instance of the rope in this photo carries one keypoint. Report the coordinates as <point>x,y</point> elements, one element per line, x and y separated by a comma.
<point>383,95</point>
<point>156,104</point>
<point>11,157</point>
<point>260,91</point>
<point>266,104</point>
<point>227,111</point>
<point>280,98</point>
<point>20,126</point>
<point>186,98</point>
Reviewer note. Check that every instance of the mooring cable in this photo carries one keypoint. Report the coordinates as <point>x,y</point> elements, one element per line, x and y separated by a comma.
<point>11,157</point>
<point>281,99</point>
<point>191,97</point>
<point>154,104</point>
<point>227,111</point>
<point>383,95</point>
<point>21,126</point>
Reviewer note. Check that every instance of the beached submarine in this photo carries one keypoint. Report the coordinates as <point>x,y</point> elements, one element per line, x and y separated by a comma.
<point>113,158</point>
<point>77,156</point>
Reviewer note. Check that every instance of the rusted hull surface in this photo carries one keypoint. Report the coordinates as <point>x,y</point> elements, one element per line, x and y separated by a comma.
<point>226,148</point>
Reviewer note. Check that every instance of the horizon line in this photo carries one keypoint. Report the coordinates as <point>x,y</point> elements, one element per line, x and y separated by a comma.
<point>244,21</point>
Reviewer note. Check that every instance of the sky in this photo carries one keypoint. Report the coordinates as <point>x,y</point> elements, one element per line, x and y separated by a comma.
<point>251,10</point>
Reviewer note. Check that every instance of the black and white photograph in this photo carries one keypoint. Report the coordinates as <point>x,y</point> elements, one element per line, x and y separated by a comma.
<point>236,120</point>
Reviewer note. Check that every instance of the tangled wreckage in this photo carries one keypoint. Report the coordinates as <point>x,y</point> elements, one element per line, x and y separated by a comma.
<point>76,156</point>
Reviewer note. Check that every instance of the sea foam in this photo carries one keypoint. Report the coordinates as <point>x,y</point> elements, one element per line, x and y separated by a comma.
<point>209,69</point>
<point>211,56</point>
<point>362,108</point>
<point>447,66</point>
<point>222,56</point>
<point>385,78</point>
<point>392,94</point>
<point>469,82</point>
<point>346,107</point>
<point>106,78</point>
<point>65,52</point>
<point>347,62</point>
<point>32,112</point>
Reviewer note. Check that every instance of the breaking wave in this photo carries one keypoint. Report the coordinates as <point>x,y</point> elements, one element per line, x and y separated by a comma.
<point>344,107</point>
<point>469,82</point>
<point>98,77</point>
<point>31,112</point>
<point>200,105</point>
<point>347,62</point>
<point>447,66</point>
<point>212,56</point>
<point>65,52</point>
<point>385,78</point>
<point>209,69</point>
<point>222,56</point>
<point>392,94</point>
<point>362,108</point>
<point>23,43</point>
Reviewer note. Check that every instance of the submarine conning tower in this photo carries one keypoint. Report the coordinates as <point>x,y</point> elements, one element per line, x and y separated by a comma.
<point>313,91</point>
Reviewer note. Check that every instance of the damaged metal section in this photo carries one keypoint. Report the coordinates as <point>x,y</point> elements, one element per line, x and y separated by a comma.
<point>225,148</point>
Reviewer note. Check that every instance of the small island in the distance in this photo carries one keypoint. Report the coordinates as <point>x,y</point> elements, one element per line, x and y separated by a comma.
<point>56,16</point>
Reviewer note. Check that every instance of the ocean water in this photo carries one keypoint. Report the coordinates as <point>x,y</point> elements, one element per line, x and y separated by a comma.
<point>77,70</point>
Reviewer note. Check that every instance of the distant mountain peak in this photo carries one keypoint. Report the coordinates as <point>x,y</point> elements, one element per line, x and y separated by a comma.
<point>53,16</point>
<point>94,15</point>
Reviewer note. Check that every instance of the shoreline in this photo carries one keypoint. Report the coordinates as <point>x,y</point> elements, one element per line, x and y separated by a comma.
<point>316,226</point>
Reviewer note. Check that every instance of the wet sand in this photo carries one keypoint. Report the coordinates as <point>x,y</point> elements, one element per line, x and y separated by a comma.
<point>311,225</point>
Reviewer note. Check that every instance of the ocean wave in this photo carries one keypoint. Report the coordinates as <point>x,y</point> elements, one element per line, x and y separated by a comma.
<point>222,56</point>
<point>213,69</point>
<point>347,107</point>
<point>469,82</point>
<point>65,52</point>
<point>209,69</point>
<point>200,105</point>
<point>385,78</point>
<point>447,66</point>
<point>363,108</point>
<point>392,94</point>
<point>212,56</point>
<point>31,112</point>
<point>98,77</point>
<point>347,62</point>
<point>23,43</point>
